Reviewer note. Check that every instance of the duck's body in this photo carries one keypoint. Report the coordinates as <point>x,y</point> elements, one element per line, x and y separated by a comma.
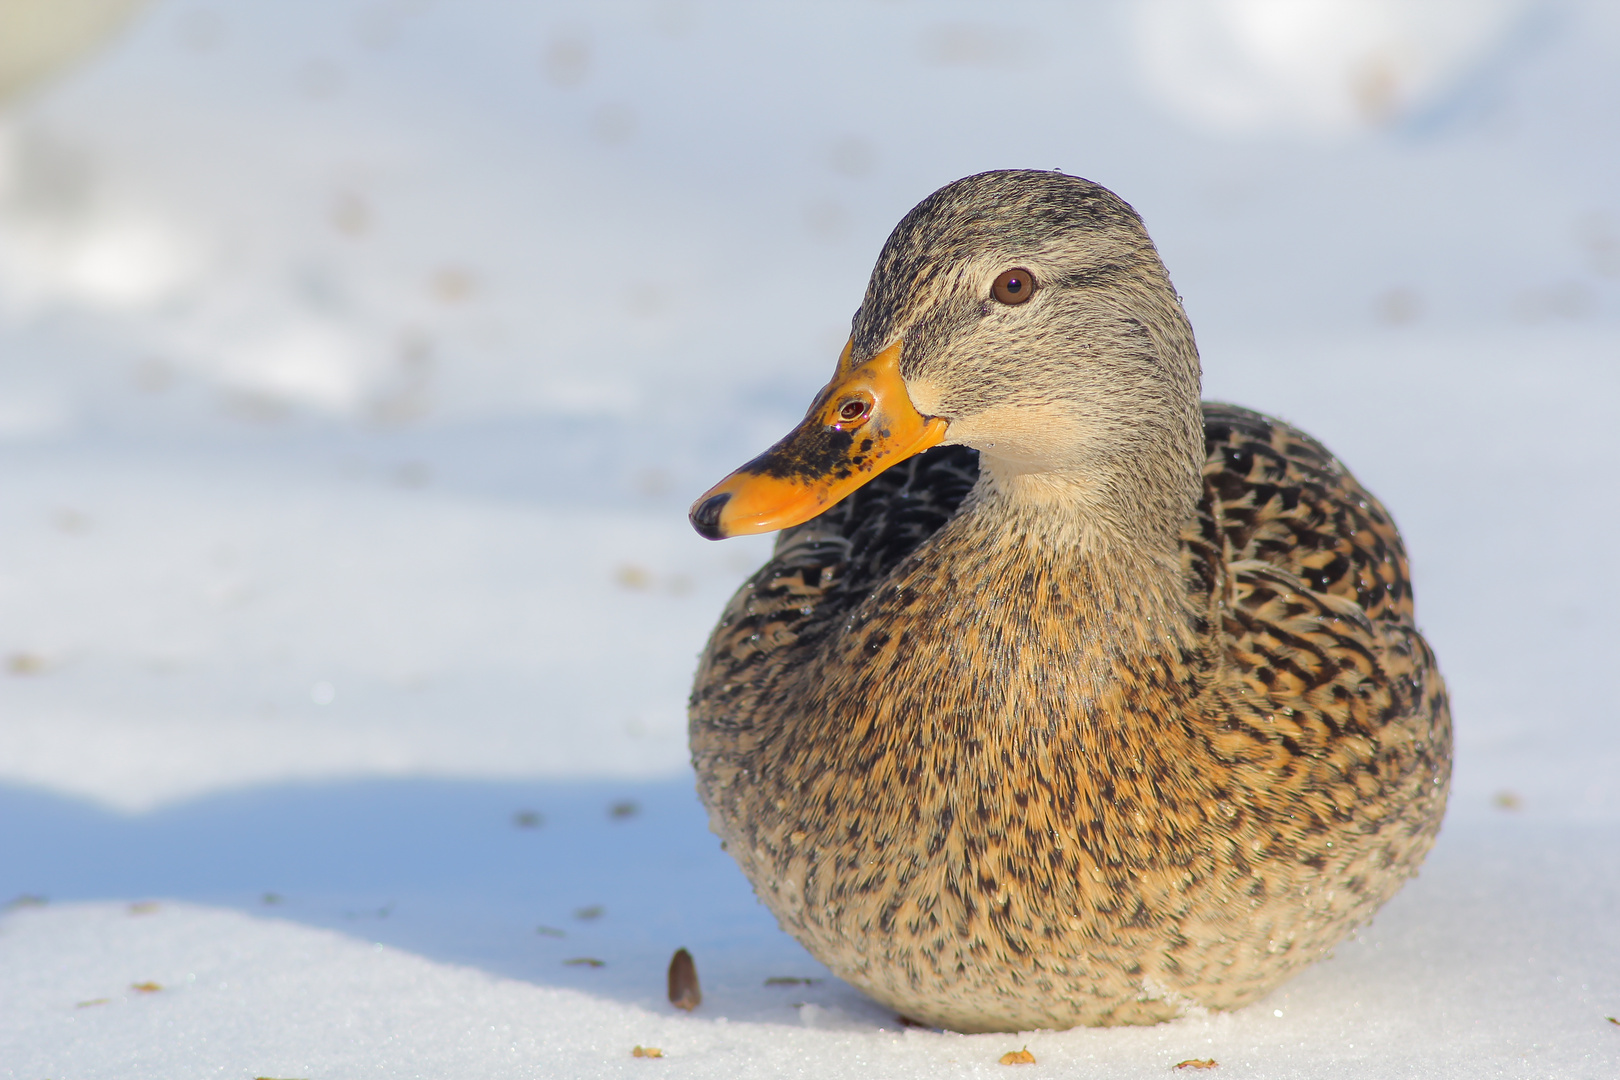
<point>1013,746</point>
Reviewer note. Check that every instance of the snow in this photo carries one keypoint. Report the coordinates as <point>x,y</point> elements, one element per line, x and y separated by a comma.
<point>1320,68</point>
<point>401,940</point>
<point>358,360</point>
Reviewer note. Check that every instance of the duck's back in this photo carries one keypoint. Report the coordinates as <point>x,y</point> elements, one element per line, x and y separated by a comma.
<point>1322,723</point>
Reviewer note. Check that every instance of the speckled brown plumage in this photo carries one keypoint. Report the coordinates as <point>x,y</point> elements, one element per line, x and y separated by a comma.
<point>1004,773</point>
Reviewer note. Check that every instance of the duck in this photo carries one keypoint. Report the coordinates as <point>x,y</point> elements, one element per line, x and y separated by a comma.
<point>1065,698</point>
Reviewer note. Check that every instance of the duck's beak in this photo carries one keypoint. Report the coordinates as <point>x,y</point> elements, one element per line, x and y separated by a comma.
<point>861,423</point>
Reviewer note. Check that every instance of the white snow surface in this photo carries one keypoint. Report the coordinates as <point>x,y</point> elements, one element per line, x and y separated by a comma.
<point>359,358</point>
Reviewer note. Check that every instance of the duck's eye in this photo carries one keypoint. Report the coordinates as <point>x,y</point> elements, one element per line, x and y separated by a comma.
<point>1013,286</point>
<point>852,410</point>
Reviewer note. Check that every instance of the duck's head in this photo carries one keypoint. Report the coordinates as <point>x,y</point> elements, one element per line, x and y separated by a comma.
<point>1025,314</point>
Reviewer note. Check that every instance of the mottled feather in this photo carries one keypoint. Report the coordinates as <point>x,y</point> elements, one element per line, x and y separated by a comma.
<point>1200,827</point>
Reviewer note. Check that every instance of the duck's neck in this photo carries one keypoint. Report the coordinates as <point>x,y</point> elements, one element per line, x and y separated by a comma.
<point>1089,518</point>
<point>1018,622</point>
<point>1124,583</point>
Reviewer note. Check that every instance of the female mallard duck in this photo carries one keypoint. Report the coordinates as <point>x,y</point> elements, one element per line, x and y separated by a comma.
<point>1088,703</point>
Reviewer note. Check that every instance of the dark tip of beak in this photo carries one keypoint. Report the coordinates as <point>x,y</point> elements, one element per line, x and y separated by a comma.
<point>706,516</point>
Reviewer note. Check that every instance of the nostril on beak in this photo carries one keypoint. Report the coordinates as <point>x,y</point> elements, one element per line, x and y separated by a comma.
<point>706,516</point>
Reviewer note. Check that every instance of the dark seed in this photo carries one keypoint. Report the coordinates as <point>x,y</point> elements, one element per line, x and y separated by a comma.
<point>684,992</point>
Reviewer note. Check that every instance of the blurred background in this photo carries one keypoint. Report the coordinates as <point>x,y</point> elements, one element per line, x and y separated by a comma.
<point>359,358</point>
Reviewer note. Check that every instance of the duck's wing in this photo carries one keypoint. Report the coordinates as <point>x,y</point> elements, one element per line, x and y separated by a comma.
<point>822,569</point>
<point>1327,688</point>
<point>1275,497</point>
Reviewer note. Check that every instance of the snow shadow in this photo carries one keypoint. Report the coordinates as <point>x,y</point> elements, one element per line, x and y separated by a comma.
<point>593,885</point>
<point>589,885</point>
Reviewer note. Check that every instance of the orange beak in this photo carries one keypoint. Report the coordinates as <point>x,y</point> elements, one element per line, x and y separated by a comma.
<point>861,423</point>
